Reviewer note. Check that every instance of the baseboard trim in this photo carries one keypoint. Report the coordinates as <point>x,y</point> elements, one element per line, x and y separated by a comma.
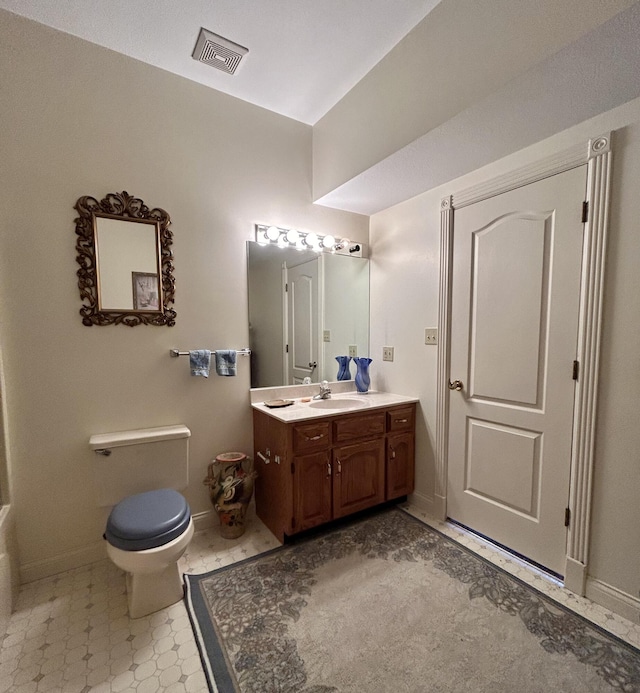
<point>204,520</point>
<point>613,599</point>
<point>36,570</point>
<point>423,504</point>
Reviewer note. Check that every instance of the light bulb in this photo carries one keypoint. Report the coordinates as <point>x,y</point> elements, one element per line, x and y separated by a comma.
<point>311,239</point>
<point>328,242</point>
<point>273,233</point>
<point>292,236</point>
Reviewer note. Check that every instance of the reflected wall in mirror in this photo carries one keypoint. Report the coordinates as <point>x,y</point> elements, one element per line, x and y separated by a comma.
<point>125,258</point>
<point>305,308</point>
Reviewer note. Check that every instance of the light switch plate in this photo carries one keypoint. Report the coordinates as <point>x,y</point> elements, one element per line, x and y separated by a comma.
<point>326,335</point>
<point>431,335</point>
<point>387,353</point>
<point>353,350</point>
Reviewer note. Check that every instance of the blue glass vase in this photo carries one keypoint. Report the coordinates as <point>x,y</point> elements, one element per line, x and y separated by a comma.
<point>362,374</point>
<point>343,367</point>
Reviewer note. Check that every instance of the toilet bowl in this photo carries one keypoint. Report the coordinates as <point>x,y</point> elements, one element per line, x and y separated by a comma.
<point>146,535</point>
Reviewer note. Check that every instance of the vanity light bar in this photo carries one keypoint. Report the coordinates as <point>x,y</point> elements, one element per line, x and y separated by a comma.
<point>292,238</point>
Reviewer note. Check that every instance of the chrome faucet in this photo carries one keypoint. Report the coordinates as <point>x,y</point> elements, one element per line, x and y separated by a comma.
<point>325,391</point>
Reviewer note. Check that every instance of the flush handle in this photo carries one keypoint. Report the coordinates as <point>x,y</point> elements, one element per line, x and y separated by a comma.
<point>103,451</point>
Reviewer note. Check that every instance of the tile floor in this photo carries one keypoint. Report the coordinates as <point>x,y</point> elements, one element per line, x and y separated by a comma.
<point>71,633</point>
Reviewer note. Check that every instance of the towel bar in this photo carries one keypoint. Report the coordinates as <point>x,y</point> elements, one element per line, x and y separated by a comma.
<point>176,353</point>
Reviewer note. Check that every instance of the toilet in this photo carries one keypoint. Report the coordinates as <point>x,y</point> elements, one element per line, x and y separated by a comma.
<point>139,475</point>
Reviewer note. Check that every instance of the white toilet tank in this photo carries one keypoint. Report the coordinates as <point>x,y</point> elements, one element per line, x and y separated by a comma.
<point>128,462</point>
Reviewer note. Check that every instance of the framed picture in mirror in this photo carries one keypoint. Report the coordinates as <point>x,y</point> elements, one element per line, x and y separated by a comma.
<point>145,291</point>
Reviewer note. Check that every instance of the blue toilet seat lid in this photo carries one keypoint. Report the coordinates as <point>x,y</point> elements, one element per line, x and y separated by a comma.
<point>148,520</point>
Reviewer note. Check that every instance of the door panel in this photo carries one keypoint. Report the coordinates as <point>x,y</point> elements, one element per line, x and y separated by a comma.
<point>514,322</point>
<point>509,253</point>
<point>511,479</point>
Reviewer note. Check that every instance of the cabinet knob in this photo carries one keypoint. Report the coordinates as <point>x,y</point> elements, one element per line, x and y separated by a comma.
<point>401,420</point>
<point>320,435</point>
<point>393,454</point>
<point>266,460</point>
<point>339,466</point>
<point>328,468</point>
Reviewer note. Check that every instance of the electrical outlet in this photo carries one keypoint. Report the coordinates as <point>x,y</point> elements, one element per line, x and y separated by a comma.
<point>353,350</point>
<point>431,335</point>
<point>387,353</point>
<point>326,335</point>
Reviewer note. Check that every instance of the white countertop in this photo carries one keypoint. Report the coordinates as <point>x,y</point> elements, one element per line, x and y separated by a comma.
<point>354,402</point>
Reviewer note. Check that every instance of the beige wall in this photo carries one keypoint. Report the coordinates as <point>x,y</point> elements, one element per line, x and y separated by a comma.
<point>404,300</point>
<point>80,120</point>
<point>454,58</point>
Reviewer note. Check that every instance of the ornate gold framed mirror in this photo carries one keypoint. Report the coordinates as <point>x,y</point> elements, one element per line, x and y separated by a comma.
<point>126,263</point>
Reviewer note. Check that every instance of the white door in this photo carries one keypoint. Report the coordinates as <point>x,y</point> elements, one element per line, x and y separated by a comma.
<point>514,322</point>
<point>302,318</point>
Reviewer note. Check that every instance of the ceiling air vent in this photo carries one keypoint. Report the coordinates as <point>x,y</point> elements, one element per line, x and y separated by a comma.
<point>218,51</point>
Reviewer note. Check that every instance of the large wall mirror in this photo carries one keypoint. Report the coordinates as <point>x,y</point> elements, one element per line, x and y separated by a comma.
<point>126,270</point>
<point>305,308</point>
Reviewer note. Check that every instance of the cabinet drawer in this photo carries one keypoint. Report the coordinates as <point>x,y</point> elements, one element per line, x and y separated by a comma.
<point>400,419</point>
<point>310,436</point>
<point>351,428</point>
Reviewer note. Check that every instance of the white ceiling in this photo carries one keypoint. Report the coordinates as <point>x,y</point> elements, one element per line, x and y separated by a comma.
<point>304,55</point>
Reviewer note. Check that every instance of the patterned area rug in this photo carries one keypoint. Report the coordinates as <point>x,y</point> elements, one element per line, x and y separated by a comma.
<point>389,604</point>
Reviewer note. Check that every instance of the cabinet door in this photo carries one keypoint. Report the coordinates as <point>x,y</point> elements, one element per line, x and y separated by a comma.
<point>358,477</point>
<point>312,491</point>
<point>400,465</point>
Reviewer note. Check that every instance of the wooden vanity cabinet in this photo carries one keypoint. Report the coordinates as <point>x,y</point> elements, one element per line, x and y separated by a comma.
<point>312,472</point>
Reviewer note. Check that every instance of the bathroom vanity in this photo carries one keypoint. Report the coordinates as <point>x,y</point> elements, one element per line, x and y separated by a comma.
<point>321,460</point>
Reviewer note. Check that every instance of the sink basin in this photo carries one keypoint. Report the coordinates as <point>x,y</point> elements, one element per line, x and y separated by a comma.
<point>338,403</point>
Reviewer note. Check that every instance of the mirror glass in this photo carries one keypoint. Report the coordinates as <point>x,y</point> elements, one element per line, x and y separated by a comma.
<point>127,262</point>
<point>305,308</point>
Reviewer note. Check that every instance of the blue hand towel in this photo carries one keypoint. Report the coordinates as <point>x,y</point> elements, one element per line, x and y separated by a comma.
<point>200,362</point>
<point>226,362</point>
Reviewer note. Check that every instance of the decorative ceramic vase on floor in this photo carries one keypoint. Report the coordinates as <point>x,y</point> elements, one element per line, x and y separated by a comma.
<point>343,367</point>
<point>230,483</point>
<point>362,374</point>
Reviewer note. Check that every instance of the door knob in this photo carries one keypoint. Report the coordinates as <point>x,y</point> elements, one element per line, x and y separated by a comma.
<point>456,385</point>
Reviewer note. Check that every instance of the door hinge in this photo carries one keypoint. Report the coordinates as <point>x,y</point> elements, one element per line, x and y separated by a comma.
<point>293,468</point>
<point>567,517</point>
<point>286,287</point>
<point>585,212</point>
<point>286,348</point>
<point>576,369</point>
